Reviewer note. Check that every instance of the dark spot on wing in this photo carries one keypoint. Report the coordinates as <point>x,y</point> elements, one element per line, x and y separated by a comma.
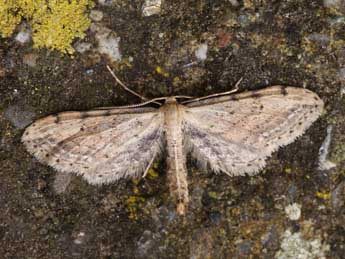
<point>147,141</point>
<point>84,115</point>
<point>283,90</point>
<point>195,132</point>
<point>81,129</point>
<point>47,155</point>
<point>255,94</point>
<point>57,160</point>
<point>107,113</point>
<point>56,118</point>
<point>233,98</point>
<point>60,143</point>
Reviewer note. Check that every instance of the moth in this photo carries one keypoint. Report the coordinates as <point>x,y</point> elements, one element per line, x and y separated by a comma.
<point>233,133</point>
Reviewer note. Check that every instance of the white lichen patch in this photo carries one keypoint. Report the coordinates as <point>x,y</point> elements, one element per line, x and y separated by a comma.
<point>151,7</point>
<point>96,15</point>
<point>332,3</point>
<point>80,238</point>
<point>106,2</point>
<point>294,246</point>
<point>342,91</point>
<point>324,163</point>
<point>24,35</point>
<point>293,211</point>
<point>201,52</point>
<point>83,47</point>
<point>234,3</point>
<point>108,43</point>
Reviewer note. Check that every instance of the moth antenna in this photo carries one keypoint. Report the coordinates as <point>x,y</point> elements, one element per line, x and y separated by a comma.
<point>237,84</point>
<point>216,95</point>
<point>184,97</point>
<point>124,86</point>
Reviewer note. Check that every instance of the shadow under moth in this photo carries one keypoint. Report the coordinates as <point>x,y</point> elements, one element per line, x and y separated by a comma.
<point>230,133</point>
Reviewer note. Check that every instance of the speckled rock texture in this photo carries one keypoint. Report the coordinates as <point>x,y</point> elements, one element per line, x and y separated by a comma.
<point>293,207</point>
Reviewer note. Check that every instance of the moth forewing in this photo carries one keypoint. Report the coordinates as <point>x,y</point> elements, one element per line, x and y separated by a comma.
<point>101,145</point>
<point>235,134</point>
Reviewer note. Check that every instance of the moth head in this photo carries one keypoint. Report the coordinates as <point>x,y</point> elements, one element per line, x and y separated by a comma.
<point>170,99</point>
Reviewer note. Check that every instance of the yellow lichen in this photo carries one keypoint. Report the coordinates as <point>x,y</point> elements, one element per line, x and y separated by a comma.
<point>162,71</point>
<point>55,23</point>
<point>32,9</point>
<point>132,206</point>
<point>8,17</point>
<point>288,170</point>
<point>152,173</point>
<point>135,182</point>
<point>235,211</point>
<point>59,27</point>
<point>323,195</point>
<point>213,195</point>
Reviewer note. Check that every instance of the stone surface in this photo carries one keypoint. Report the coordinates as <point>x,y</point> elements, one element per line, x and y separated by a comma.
<point>30,59</point>
<point>19,115</point>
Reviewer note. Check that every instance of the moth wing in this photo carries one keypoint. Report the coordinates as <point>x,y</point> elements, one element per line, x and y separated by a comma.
<point>236,133</point>
<point>101,145</point>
